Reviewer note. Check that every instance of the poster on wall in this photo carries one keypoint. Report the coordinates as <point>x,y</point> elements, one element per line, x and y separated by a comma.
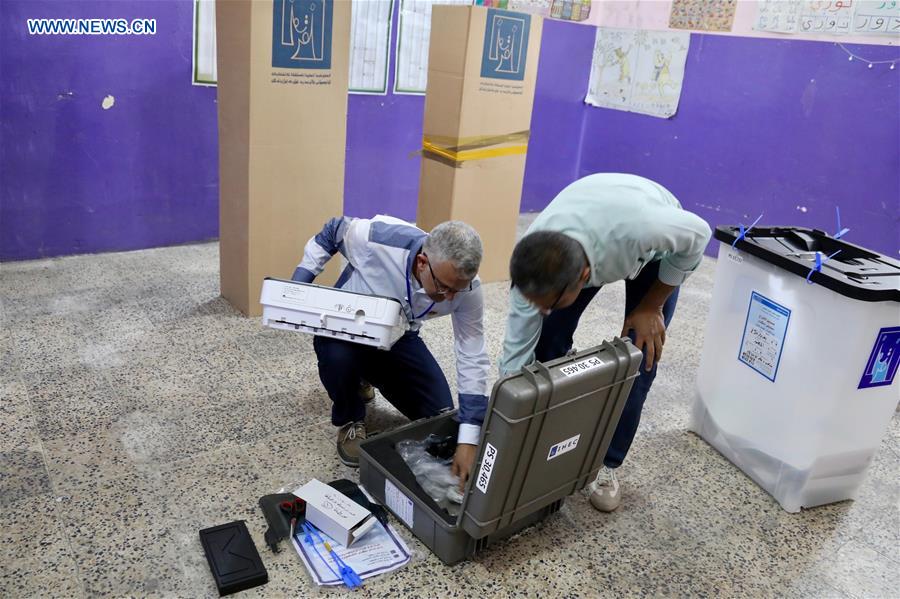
<point>638,71</point>
<point>370,39</point>
<point>564,10</point>
<point>817,16</point>
<point>829,17</point>
<point>702,15</point>
<point>370,34</point>
<point>778,16</point>
<point>413,37</point>
<point>877,17</point>
<point>204,60</point>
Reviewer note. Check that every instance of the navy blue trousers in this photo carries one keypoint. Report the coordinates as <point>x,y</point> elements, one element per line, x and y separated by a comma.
<point>556,341</point>
<point>407,375</point>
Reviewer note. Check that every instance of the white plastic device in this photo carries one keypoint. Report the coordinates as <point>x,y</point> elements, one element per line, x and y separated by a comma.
<point>328,312</point>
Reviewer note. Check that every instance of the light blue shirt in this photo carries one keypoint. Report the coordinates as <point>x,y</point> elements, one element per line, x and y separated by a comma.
<point>623,222</point>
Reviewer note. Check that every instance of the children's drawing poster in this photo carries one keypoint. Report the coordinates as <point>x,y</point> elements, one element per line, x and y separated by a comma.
<point>702,15</point>
<point>638,71</point>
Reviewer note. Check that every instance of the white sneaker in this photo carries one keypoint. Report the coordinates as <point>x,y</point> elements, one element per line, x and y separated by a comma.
<point>605,493</point>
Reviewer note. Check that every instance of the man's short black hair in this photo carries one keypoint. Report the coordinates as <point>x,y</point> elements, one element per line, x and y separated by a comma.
<point>546,262</point>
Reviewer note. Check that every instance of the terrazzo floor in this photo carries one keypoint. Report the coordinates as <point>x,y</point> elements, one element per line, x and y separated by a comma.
<point>138,407</point>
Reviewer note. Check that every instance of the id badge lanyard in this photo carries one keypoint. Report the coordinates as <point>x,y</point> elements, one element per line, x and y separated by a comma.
<point>409,296</point>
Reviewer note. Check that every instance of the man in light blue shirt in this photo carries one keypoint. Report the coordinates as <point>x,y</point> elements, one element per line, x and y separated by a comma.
<point>598,230</point>
<point>431,275</point>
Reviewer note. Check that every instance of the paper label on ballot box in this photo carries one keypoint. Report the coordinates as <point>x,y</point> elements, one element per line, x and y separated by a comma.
<point>764,333</point>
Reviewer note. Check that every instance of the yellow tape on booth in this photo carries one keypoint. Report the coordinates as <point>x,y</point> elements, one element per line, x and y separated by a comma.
<point>457,150</point>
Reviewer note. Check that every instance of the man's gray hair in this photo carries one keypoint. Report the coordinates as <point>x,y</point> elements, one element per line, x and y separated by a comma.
<point>546,262</point>
<point>457,243</point>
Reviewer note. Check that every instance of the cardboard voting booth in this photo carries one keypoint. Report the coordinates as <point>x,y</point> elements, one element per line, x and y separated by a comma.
<point>282,100</point>
<point>482,69</point>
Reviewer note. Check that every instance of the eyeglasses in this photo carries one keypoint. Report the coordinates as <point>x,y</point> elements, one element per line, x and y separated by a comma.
<point>439,287</point>
<point>558,297</point>
<point>547,311</point>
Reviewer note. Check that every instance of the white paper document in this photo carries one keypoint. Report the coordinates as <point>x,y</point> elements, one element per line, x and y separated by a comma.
<point>370,38</point>
<point>778,16</point>
<point>204,67</point>
<point>380,550</point>
<point>877,17</point>
<point>825,17</point>
<point>764,334</point>
<point>413,37</point>
<point>829,17</point>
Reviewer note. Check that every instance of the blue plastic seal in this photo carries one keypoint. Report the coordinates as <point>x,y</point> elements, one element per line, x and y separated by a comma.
<point>819,263</point>
<point>744,231</point>
<point>840,232</point>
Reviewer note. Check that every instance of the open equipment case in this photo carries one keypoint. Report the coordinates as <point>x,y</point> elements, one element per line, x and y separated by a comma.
<point>545,434</point>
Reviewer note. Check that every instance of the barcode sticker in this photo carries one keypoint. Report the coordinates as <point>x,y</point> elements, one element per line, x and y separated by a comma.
<point>487,467</point>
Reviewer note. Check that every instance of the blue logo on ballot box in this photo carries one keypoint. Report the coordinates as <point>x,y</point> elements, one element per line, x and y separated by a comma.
<point>883,361</point>
<point>301,34</point>
<point>505,45</point>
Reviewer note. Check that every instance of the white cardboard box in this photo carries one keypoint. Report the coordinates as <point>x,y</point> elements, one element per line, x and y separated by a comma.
<point>334,513</point>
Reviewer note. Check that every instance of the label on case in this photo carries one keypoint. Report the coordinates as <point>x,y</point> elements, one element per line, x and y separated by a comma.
<point>582,366</point>
<point>487,467</point>
<point>563,447</point>
<point>397,502</point>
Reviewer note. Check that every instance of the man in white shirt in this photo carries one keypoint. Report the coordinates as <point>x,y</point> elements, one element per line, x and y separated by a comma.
<point>598,230</point>
<point>431,275</point>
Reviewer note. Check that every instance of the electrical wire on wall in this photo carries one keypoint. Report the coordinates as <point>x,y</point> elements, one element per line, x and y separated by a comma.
<point>871,63</point>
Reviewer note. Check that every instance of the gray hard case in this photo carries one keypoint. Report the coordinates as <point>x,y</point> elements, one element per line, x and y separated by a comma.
<point>545,434</point>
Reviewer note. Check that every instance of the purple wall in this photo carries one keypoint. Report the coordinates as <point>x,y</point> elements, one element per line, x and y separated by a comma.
<point>788,128</point>
<point>558,118</point>
<point>384,134</point>
<point>763,126</point>
<point>76,178</point>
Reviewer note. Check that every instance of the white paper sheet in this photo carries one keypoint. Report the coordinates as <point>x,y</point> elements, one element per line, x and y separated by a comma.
<point>204,64</point>
<point>413,37</point>
<point>829,17</point>
<point>535,7</point>
<point>877,17</point>
<point>826,16</point>
<point>638,71</point>
<point>778,16</point>
<point>370,38</point>
<point>380,550</point>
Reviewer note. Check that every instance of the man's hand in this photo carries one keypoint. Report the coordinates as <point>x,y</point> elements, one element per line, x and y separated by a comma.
<point>462,463</point>
<point>649,333</point>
